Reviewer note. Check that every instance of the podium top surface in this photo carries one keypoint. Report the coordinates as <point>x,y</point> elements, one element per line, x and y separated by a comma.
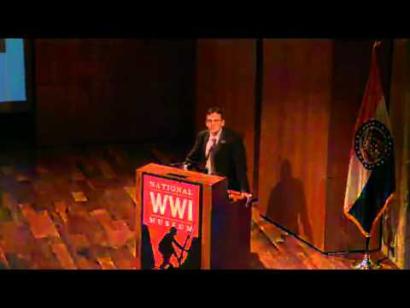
<point>180,174</point>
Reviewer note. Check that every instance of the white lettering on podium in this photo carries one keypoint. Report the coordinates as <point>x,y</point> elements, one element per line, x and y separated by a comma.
<point>178,209</point>
<point>171,188</point>
<point>178,206</point>
<point>167,223</point>
<point>158,203</point>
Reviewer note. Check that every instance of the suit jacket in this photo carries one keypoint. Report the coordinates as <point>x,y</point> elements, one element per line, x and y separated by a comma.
<point>229,158</point>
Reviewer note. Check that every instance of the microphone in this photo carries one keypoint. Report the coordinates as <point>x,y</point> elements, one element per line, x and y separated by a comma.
<point>177,164</point>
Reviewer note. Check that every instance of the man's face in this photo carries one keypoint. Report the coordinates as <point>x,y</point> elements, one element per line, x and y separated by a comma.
<point>214,122</point>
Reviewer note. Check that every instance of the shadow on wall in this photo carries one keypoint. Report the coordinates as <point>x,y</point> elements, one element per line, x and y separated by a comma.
<point>287,203</point>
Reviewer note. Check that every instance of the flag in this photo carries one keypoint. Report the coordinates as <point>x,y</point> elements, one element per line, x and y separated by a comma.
<point>370,181</point>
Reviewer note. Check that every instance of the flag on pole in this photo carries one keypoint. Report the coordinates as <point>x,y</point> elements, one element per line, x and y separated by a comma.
<point>370,181</point>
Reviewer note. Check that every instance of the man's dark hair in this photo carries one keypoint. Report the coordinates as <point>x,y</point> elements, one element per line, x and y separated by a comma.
<point>215,109</point>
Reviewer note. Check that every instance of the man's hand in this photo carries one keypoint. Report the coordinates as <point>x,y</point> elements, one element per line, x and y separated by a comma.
<point>236,195</point>
<point>246,195</point>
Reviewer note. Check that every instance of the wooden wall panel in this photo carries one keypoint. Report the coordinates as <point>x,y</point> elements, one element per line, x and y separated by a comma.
<point>226,77</point>
<point>396,230</point>
<point>113,90</point>
<point>294,135</point>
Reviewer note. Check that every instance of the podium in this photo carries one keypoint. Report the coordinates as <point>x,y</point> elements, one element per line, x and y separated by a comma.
<point>187,220</point>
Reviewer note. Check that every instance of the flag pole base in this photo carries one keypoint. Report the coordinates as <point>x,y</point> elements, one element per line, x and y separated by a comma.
<point>366,264</point>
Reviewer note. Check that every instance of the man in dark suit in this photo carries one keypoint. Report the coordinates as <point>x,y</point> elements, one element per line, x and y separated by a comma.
<point>220,151</point>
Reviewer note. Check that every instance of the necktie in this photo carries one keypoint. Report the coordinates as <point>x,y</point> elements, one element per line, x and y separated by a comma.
<point>210,156</point>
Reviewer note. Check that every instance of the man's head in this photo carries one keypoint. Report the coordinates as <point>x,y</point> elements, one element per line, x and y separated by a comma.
<point>173,231</point>
<point>214,120</point>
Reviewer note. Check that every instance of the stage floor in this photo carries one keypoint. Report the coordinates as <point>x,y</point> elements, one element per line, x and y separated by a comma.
<point>73,208</point>
<point>273,248</point>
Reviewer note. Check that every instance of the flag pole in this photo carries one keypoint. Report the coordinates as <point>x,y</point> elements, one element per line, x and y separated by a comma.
<point>366,263</point>
<point>372,101</point>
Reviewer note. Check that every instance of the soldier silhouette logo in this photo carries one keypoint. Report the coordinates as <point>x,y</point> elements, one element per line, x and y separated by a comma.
<point>166,248</point>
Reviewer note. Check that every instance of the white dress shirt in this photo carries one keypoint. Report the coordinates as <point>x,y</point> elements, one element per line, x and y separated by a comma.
<point>208,147</point>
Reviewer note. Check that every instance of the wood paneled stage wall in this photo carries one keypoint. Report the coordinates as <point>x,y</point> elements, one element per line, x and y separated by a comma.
<point>294,135</point>
<point>396,226</point>
<point>113,90</point>
<point>311,93</point>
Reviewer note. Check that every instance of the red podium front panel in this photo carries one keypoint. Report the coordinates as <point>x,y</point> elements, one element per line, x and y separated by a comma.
<point>171,213</point>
